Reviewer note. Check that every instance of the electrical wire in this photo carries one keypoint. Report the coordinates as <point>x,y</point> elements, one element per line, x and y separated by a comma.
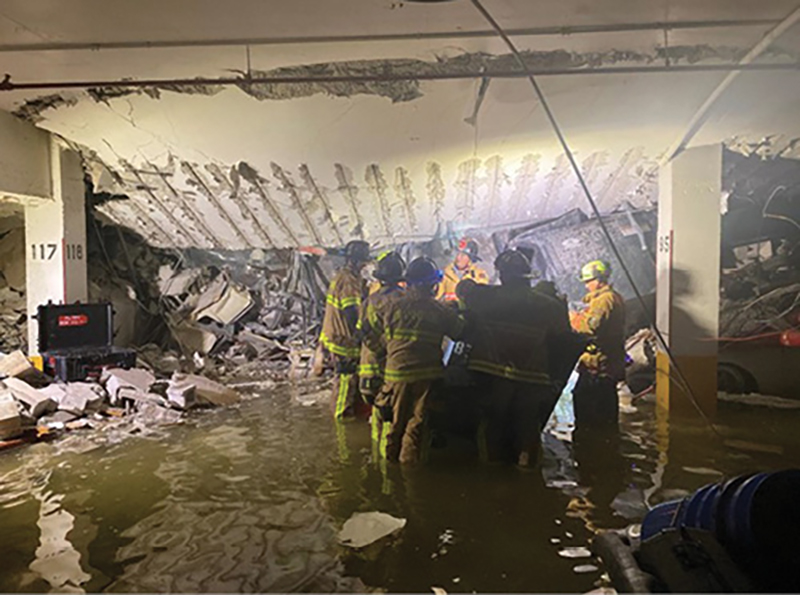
<point>582,182</point>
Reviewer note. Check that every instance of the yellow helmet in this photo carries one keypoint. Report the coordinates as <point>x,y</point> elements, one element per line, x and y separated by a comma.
<point>597,269</point>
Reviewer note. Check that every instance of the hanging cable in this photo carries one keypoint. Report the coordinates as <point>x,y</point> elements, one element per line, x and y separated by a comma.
<point>618,255</point>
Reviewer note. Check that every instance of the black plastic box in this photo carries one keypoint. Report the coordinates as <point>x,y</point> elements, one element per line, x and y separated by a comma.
<point>75,341</point>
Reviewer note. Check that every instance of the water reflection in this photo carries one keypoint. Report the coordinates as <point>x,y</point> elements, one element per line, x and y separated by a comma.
<point>57,561</point>
<point>251,499</point>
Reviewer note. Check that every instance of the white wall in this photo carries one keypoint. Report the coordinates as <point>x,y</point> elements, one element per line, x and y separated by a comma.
<point>24,159</point>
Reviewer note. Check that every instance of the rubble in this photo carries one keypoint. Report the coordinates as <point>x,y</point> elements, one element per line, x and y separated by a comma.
<point>35,403</point>
<point>10,421</point>
<point>81,397</point>
<point>115,379</point>
<point>13,306</point>
<point>205,390</point>
<point>132,400</point>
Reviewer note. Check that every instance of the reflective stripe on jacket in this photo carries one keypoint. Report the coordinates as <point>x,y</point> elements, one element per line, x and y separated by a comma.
<point>414,328</point>
<point>339,333</point>
<point>452,277</point>
<point>604,321</point>
<point>373,342</point>
<point>510,330</point>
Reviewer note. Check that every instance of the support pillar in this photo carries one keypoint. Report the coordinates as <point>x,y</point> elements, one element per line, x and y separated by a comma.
<point>687,286</point>
<point>55,240</point>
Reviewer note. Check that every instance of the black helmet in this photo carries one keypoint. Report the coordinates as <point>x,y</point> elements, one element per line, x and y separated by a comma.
<point>423,271</point>
<point>357,251</point>
<point>513,263</point>
<point>391,267</point>
<point>470,248</point>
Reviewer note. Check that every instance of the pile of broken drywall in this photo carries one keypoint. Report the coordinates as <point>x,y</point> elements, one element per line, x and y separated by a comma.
<point>13,322</point>
<point>234,310</point>
<point>275,321</point>
<point>762,296</point>
<point>33,405</point>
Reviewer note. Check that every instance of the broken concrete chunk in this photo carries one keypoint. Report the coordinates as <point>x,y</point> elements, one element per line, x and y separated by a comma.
<point>16,365</point>
<point>35,403</point>
<point>206,390</point>
<point>225,309</point>
<point>117,378</point>
<point>364,528</point>
<point>174,283</point>
<point>10,421</point>
<point>128,393</point>
<point>81,397</point>
<point>57,392</point>
<point>182,394</point>
<point>58,418</point>
<point>151,413</point>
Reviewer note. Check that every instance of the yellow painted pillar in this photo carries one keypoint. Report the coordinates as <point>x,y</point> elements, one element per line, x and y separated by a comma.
<point>687,285</point>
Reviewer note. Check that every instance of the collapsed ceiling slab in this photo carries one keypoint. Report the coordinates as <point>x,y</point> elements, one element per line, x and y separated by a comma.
<point>261,165</point>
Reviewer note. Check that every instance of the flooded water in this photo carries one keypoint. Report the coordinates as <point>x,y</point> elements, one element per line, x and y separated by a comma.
<point>251,499</point>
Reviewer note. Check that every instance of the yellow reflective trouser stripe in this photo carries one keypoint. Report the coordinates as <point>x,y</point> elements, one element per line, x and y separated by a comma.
<point>352,352</point>
<point>370,370</point>
<point>413,375</point>
<point>509,372</point>
<point>380,432</point>
<point>385,427</point>
<point>375,426</point>
<point>343,303</point>
<point>341,398</point>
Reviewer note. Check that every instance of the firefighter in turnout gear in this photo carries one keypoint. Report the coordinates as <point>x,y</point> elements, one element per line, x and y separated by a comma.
<point>512,328</point>
<point>414,326</point>
<point>339,329</point>
<point>602,365</point>
<point>389,273</point>
<point>464,266</point>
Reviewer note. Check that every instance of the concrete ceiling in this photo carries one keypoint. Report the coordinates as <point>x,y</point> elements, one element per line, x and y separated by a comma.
<point>280,165</point>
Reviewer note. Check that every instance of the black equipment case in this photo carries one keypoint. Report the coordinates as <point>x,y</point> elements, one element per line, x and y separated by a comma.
<point>75,341</point>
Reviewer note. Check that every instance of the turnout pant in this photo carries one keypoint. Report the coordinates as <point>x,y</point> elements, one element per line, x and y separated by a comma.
<point>346,399</point>
<point>513,414</point>
<point>407,437</point>
<point>595,401</point>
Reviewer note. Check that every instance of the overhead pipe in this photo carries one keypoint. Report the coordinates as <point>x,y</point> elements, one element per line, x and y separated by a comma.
<point>8,85</point>
<point>522,32</point>
<point>703,112</point>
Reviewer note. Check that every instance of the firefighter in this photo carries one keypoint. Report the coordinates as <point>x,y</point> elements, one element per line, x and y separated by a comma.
<point>414,325</point>
<point>389,273</point>
<point>339,330</point>
<point>602,365</point>
<point>511,329</point>
<point>464,266</point>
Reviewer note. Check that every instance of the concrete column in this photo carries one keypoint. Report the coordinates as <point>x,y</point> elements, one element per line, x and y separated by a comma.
<point>687,293</point>
<point>55,240</point>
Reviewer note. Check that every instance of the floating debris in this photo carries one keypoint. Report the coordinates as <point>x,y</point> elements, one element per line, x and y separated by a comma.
<point>585,569</point>
<point>365,528</point>
<point>575,552</point>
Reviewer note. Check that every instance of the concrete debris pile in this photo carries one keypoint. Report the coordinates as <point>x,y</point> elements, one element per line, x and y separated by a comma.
<point>274,321</point>
<point>32,406</point>
<point>237,309</point>
<point>762,296</point>
<point>13,307</point>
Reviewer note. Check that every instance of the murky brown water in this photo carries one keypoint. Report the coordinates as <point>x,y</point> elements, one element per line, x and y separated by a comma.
<point>251,498</point>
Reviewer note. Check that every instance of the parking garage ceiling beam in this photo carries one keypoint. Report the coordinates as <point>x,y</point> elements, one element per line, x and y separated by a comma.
<point>523,32</point>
